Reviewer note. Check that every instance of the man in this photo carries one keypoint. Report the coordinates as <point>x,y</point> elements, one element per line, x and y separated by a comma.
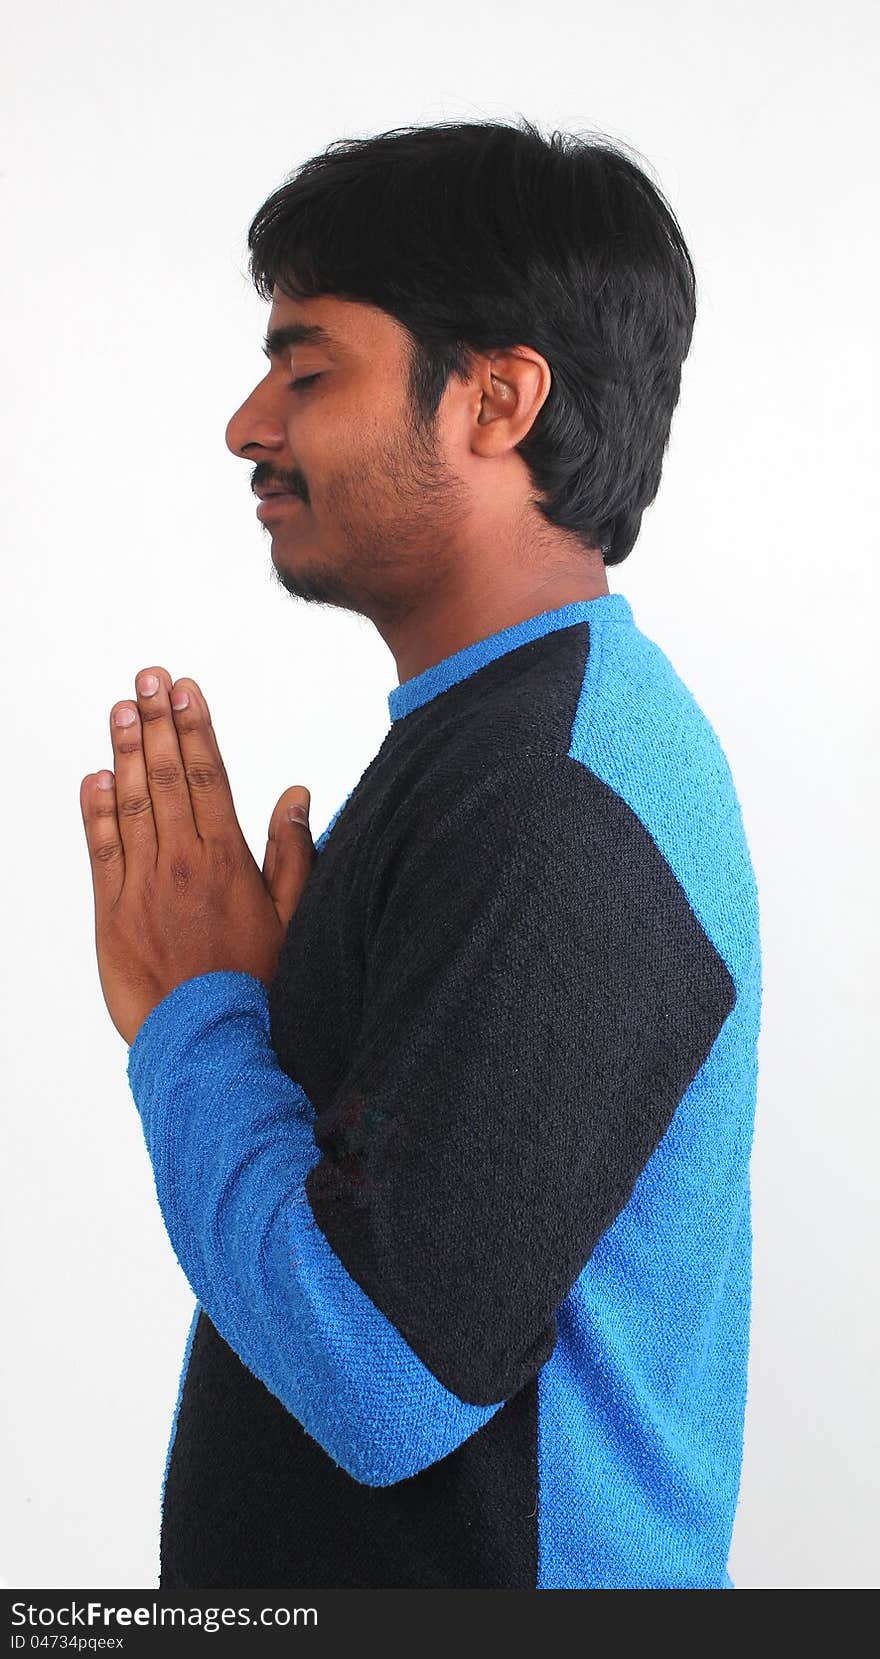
<point>450,1115</point>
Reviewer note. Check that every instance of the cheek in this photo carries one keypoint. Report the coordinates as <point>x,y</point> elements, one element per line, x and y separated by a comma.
<point>331,445</point>
<point>348,449</point>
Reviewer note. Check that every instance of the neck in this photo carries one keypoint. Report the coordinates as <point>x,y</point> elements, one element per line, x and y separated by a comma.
<point>446,623</point>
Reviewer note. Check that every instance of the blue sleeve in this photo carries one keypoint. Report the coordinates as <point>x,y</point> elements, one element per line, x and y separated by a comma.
<point>230,1137</point>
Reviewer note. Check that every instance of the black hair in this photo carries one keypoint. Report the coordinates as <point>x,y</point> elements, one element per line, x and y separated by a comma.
<point>481,236</point>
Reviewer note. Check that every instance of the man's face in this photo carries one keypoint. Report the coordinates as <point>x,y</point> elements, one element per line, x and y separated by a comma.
<point>375,502</point>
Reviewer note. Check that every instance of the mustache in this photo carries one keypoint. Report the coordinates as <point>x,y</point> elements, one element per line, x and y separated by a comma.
<point>278,484</point>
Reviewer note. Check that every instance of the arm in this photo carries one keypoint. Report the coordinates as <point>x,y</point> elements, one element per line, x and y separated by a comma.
<point>231,1140</point>
<point>538,998</point>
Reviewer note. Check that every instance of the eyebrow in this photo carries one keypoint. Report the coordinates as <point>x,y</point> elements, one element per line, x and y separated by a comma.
<point>279,340</point>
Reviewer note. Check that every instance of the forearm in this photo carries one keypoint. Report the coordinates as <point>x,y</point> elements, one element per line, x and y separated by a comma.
<point>230,1137</point>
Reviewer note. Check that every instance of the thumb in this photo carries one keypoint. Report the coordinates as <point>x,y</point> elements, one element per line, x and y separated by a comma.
<point>290,851</point>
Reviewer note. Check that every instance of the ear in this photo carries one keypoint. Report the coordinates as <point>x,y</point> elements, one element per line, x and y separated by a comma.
<point>515,385</point>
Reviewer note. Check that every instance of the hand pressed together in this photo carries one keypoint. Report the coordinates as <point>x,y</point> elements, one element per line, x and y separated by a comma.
<point>177,890</point>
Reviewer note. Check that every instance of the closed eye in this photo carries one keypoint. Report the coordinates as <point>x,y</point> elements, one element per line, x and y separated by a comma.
<point>305,380</point>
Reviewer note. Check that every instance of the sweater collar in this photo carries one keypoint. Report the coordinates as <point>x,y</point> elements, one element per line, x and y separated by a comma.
<point>411,694</point>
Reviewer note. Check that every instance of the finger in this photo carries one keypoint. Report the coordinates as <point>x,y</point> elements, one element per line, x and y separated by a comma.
<point>212,804</point>
<point>163,761</point>
<point>290,852</point>
<point>133,803</point>
<point>106,852</point>
<point>296,795</point>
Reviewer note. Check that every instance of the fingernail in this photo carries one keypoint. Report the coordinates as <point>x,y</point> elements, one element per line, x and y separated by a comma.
<point>179,699</point>
<point>297,814</point>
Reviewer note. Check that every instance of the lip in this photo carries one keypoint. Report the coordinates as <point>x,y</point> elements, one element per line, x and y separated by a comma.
<point>276,503</point>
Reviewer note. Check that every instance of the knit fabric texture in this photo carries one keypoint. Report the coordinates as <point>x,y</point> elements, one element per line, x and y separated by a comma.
<point>463,1195</point>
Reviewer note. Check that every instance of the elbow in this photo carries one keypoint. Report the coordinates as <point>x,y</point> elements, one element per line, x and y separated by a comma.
<point>381,1447</point>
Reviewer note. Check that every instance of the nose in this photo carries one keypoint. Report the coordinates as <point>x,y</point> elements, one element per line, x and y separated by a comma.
<point>255,425</point>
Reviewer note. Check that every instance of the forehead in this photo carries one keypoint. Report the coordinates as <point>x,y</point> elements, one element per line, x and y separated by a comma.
<point>341,326</point>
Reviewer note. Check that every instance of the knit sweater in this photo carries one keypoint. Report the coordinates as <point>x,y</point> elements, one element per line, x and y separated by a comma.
<point>463,1195</point>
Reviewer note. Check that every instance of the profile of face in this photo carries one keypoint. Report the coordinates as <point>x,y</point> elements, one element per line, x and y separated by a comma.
<point>374,504</point>
<point>385,509</point>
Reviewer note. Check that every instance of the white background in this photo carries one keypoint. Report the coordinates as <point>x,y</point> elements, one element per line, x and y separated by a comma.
<point>137,143</point>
